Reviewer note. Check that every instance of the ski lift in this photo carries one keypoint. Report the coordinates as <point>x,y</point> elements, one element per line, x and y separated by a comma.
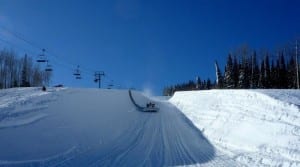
<point>77,73</point>
<point>48,67</point>
<point>110,86</point>
<point>42,57</point>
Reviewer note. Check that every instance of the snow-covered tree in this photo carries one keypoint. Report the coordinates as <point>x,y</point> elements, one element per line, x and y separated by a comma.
<point>244,82</point>
<point>219,76</point>
<point>198,82</point>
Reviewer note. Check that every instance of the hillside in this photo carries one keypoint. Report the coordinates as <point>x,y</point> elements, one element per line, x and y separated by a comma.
<point>92,127</point>
<point>257,128</point>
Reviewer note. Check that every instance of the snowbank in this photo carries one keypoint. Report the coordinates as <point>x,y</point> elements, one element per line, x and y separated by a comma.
<point>257,128</point>
<point>22,106</point>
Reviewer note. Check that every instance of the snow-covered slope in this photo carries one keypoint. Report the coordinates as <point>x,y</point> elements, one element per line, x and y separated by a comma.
<point>257,128</point>
<point>23,106</point>
<point>92,127</point>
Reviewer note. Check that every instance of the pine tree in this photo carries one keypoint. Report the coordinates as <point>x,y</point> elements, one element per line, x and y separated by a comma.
<point>203,85</point>
<point>274,75</point>
<point>208,84</point>
<point>254,72</point>
<point>292,74</point>
<point>235,70</point>
<point>191,85</point>
<point>261,83</point>
<point>244,82</point>
<point>267,72</point>
<point>241,84</point>
<point>282,73</point>
<point>229,74</point>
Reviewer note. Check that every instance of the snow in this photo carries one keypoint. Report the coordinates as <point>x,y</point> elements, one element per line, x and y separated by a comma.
<point>255,127</point>
<point>22,106</point>
<point>92,127</point>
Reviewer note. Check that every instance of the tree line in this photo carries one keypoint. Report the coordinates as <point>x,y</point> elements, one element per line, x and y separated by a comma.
<point>18,71</point>
<point>248,69</point>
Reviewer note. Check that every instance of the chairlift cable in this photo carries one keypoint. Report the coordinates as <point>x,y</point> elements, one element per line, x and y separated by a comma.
<point>50,53</point>
<point>57,59</point>
<point>16,46</point>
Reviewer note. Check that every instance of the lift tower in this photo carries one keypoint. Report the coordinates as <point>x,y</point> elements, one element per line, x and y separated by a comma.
<point>98,75</point>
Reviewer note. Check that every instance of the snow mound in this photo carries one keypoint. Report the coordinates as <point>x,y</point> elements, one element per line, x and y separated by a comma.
<point>21,106</point>
<point>257,128</point>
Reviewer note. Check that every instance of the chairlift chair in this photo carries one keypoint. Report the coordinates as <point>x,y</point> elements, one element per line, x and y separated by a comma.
<point>77,74</point>
<point>48,67</point>
<point>77,71</point>
<point>42,57</point>
<point>110,86</point>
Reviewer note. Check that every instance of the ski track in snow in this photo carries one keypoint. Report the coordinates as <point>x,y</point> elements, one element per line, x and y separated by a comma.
<point>50,161</point>
<point>85,127</point>
<point>255,127</point>
<point>23,106</point>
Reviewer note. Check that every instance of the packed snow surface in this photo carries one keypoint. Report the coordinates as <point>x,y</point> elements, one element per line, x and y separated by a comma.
<point>92,127</point>
<point>254,127</point>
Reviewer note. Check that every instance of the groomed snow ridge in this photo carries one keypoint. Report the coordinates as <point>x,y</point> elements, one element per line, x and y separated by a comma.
<point>255,127</point>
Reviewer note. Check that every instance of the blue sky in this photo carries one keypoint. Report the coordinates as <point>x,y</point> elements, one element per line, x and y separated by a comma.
<point>144,44</point>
